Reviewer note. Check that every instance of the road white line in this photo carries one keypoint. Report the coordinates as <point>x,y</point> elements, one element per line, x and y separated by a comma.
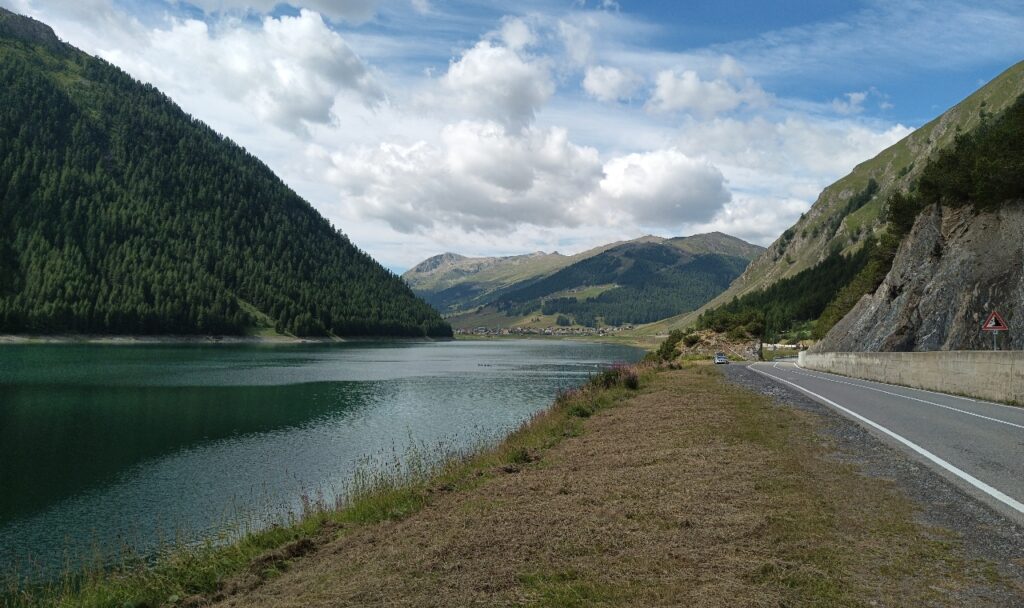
<point>965,476</point>
<point>878,390</point>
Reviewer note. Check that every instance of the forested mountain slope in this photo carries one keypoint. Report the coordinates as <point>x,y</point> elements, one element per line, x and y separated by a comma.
<point>455,283</point>
<point>119,213</point>
<point>646,282</point>
<point>849,216</point>
<point>622,283</point>
<point>451,282</point>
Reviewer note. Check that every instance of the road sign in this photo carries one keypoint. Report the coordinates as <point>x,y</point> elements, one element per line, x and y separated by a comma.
<point>994,322</point>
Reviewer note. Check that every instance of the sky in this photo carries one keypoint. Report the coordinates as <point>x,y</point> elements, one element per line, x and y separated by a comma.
<point>497,128</point>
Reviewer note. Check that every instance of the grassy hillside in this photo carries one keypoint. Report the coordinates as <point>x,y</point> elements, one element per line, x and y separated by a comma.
<point>119,213</point>
<point>630,283</point>
<point>850,210</point>
<point>716,242</point>
<point>653,281</point>
<point>453,283</point>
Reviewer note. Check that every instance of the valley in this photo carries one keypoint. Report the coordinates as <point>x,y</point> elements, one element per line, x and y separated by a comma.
<point>801,386</point>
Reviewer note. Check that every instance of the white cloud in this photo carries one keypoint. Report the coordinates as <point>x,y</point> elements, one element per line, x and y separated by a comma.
<point>756,219</point>
<point>355,11</point>
<point>853,104</point>
<point>516,33</point>
<point>421,6</point>
<point>685,90</point>
<point>498,83</point>
<point>479,177</point>
<point>288,70</point>
<point>663,188</point>
<point>795,145</point>
<point>610,84</point>
<point>577,42</point>
<point>482,178</point>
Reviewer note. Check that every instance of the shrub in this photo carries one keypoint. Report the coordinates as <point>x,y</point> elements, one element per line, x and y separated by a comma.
<point>667,350</point>
<point>581,410</point>
<point>619,375</point>
<point>606,379</point>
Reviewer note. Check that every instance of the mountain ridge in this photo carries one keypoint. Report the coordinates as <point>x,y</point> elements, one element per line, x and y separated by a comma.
<point>456,283</point>
<point>614,284</point>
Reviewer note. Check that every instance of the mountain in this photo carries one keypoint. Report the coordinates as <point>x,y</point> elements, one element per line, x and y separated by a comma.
<point>451,282</point>
<point>120,213</point>
<point>961,242</point>
<point>718,243</point>
<point>628,282</point>
<point>848,217</point>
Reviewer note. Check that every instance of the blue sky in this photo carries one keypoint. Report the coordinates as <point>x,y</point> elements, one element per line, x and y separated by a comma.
<point>492,128</point>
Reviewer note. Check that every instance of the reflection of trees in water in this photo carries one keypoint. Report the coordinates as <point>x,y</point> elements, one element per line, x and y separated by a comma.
<point>59,441</point>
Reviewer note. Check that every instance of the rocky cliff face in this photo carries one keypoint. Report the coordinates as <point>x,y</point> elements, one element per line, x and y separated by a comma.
<point>28,30</point>
<point>951,270</point>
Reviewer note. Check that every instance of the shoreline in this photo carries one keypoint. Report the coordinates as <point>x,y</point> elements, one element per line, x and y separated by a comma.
<point>138,339</point>
<point>279,340</point>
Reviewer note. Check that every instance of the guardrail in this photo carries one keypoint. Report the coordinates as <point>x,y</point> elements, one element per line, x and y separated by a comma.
<point>988,375</point>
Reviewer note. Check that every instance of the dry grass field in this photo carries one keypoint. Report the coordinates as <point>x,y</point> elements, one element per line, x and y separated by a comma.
<point>689,492</point>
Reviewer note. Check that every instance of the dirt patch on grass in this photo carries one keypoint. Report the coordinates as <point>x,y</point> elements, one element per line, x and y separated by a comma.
<point>691,493</point>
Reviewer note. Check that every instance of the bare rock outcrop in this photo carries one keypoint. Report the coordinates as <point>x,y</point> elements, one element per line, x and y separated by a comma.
<point>953,267</point>
<point>27,29</point>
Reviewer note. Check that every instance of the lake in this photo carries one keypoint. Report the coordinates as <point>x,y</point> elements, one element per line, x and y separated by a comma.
<point>130,445</point>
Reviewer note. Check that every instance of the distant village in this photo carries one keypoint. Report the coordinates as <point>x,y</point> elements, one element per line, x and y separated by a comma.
<point>553,330</point>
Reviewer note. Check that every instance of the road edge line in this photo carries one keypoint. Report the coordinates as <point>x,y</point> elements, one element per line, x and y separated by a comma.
<point>963,475</point>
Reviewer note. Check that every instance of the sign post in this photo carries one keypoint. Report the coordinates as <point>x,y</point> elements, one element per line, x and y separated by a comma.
<point>995,324</point>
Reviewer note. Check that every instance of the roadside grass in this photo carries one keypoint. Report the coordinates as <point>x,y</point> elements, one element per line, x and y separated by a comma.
<point>194,575</point>
<point>815,532</point>
<point>842,539</point>
<point>690,492</point>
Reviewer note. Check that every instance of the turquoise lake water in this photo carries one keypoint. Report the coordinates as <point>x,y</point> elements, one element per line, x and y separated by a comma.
<point>105,446</point>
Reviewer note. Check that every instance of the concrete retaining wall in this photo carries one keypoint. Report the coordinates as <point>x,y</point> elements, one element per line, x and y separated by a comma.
<point>988,375</point>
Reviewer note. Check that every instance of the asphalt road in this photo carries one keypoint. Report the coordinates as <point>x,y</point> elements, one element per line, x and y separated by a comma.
<point>976,444</point>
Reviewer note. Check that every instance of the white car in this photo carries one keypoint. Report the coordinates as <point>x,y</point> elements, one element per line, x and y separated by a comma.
<point>720,358</point>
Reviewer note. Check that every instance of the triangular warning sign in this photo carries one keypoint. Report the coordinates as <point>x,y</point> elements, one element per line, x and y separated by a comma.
<point>994,323</point>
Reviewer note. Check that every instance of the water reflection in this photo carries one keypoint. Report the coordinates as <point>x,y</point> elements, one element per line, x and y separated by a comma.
<point>132,443</point>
